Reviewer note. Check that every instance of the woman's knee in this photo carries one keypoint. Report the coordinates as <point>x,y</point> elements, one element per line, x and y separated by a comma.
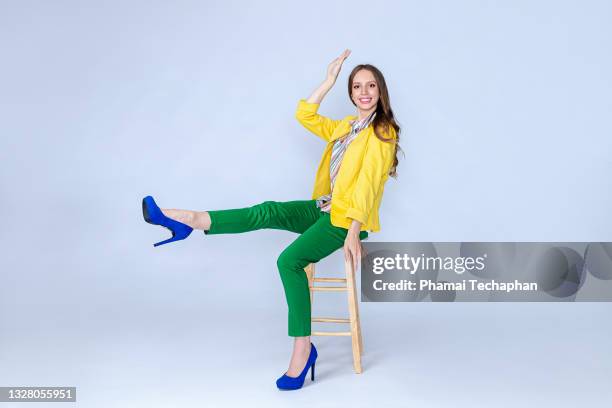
<point>288,262</point>
<point>285,262</point>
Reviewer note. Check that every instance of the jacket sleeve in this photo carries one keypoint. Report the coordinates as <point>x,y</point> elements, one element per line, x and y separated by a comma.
<point>321,126</point>
<point>377,162</point>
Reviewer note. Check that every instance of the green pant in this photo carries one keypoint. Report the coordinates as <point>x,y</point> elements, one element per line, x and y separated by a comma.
<point>318,239</point>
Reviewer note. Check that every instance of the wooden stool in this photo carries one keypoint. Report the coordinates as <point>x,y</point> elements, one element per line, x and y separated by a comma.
<point>353,320</point>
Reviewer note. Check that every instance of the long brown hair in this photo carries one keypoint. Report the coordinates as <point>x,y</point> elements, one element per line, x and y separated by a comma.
<point>384,115</point>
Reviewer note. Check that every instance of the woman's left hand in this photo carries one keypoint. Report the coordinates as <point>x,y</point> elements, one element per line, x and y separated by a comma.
<point>352,244</point>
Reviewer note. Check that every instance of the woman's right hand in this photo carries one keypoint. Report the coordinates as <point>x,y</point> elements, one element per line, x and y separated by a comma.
<point>334,67</point>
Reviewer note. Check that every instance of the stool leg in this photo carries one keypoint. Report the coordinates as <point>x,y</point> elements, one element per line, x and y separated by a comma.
<point>359,326</point>
<point>353,314</point>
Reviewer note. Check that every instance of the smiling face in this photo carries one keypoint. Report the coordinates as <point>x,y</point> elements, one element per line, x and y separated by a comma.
<point>364,90</point>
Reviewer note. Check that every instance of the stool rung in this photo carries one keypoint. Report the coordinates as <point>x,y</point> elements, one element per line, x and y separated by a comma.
<point>340,280</point>
<point>329,288</point>
<point>330,320</point>
<point>320,333</point>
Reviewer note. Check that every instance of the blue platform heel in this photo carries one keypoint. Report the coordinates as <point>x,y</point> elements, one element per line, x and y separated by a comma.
<point>153,215</point>
<point>293,383</point>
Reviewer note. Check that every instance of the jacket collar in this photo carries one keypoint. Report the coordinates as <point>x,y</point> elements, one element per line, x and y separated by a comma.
<point>343,127</point>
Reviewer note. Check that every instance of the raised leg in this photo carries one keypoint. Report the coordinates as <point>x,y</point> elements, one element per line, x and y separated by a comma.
<point>295,216</point>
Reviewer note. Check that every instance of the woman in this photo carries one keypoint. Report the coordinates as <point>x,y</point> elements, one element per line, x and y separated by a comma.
<point>360,155</point>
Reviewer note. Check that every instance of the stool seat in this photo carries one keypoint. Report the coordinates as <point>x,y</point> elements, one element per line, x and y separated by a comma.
<point>353,308</point>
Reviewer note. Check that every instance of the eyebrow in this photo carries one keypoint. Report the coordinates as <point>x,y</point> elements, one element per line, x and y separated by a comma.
<point>355,82</point>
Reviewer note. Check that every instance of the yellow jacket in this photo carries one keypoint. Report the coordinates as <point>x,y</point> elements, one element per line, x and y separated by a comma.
<point>360,182</point>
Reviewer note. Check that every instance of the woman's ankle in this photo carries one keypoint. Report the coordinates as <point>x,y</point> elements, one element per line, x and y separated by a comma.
<point>184,216</point>
<point>201,220</point>
<point>302,343</point>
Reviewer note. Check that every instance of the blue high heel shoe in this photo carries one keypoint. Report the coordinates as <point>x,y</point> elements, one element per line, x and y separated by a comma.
<point>153,215</point>
<point>293,383</point>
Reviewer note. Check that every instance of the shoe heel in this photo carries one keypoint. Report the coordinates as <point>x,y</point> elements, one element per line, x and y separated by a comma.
<point>312,372</point>
<point>174,238</point>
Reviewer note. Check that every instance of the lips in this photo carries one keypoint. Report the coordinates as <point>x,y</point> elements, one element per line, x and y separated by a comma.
<point>365,100</point>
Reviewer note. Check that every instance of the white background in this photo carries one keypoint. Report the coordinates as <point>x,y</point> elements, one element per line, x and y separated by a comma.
<point>504,108</point>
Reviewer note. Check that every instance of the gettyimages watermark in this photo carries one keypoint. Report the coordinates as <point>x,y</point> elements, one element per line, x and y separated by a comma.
<point>486,272</point>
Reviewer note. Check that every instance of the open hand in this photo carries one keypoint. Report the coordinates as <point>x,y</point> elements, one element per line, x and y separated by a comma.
<point>334,67</point>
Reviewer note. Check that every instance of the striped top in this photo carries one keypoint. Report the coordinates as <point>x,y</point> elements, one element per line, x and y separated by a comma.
<point>338,150</point>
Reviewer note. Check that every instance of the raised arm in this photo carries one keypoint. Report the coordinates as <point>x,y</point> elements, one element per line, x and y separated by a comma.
<point>306,112</point>
<point>319,93</point>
